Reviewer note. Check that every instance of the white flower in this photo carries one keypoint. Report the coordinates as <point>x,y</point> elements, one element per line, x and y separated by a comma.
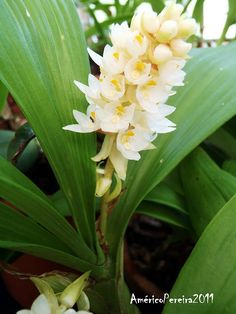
<point>152,93</point>
<point>85,123</point>
<point>171,72</point>
<point>92,90</point>
<point>159,124</point>
<point>39,306</point>
<point>172,12</point>
<point>112,87</point>
<point>167,31</point>
<point>113,60</point>
<point>162,53</point>
<point>150,21</point>
<point>180,48</point>
<point>131,141</point>
<point>137,71</point>
<point>115,117</point>
<point>120,35</point>
<point>186,28</point>
<point>137,44</point>
<point>95,57</point>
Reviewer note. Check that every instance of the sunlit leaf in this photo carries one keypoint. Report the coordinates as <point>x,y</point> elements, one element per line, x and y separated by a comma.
<point>44,51</point>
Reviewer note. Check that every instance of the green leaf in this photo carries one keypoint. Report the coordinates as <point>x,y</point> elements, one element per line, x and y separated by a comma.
<point>165,214</point>
<point>164,195</point>
<point>205,102</point>
<point>21,192</point>
<point>44,51</point>
<point>55,255</point>
<point>5,138</point>
<point>210,268</point>
<point>230,166</point>
<point>59,201</point>
<point>198,11</point>
<point>224,141</point>
<point>14,226</point>
<point>206,188</point>
<point>3,96</point>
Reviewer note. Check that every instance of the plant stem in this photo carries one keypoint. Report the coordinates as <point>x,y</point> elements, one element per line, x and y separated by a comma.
<point>104,205</point>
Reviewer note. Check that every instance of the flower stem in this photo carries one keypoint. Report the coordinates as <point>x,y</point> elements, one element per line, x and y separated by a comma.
<point>109,169</point>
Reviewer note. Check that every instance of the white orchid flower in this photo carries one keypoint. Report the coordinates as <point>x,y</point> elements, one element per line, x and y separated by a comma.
<point>180,48</point>
<point>39,306</point>
<point>97,59</point>
<point>171,72</point>
<point>92,91</point>
<point>162,53</point>
<point>115,117</point>
<point>112,87</point>
<point>137,71</point>
<point>131,141</point>
<point>158,124</point>
<point>113,60</point>
<point>151,94</point>
<point>120,35</point>
<point>137,44</point>
<point>86,123</point>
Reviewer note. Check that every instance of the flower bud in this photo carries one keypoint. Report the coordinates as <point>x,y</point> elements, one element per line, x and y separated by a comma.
<point>167,31</point>
<point>162,53</point>
<point>83,303</point>
<point>103,184</point>
<point>150,22</point>
<point>135,24</point>
<point>180,48</point>
<point>72,292</point>
<point>187,28</point>
<point>174,11</point>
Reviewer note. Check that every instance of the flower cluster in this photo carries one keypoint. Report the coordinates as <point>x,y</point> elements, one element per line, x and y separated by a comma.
<point>138,72</point>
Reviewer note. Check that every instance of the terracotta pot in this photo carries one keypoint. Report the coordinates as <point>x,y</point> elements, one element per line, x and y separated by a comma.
<point>22,289</point>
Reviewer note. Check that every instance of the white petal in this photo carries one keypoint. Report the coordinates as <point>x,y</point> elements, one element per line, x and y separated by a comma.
<point>77,128</point>
<point>81,117</point>
<point>166,110</point>
<point>106,148</point>
<point>82,87</point>
<point>103,185</point>
<point>24,312</point>
<point>119,162</point>
<point>136,71</point>
<point>95,56</point>
<point>41,305</point>
<point>70,311</point>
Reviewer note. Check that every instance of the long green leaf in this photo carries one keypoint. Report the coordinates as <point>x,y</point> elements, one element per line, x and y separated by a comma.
<point>166,214</point>
<point>3,95</point>
<point>210,268</point>
<point>205,102</point>
<point>230,166</point>
<point>207,188</point>
<point>44,51</point>
<point>164,195</point>
<point>21,192</point>
<point>55,255</point>
<point>15,226</point>
<point>224,141</point>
